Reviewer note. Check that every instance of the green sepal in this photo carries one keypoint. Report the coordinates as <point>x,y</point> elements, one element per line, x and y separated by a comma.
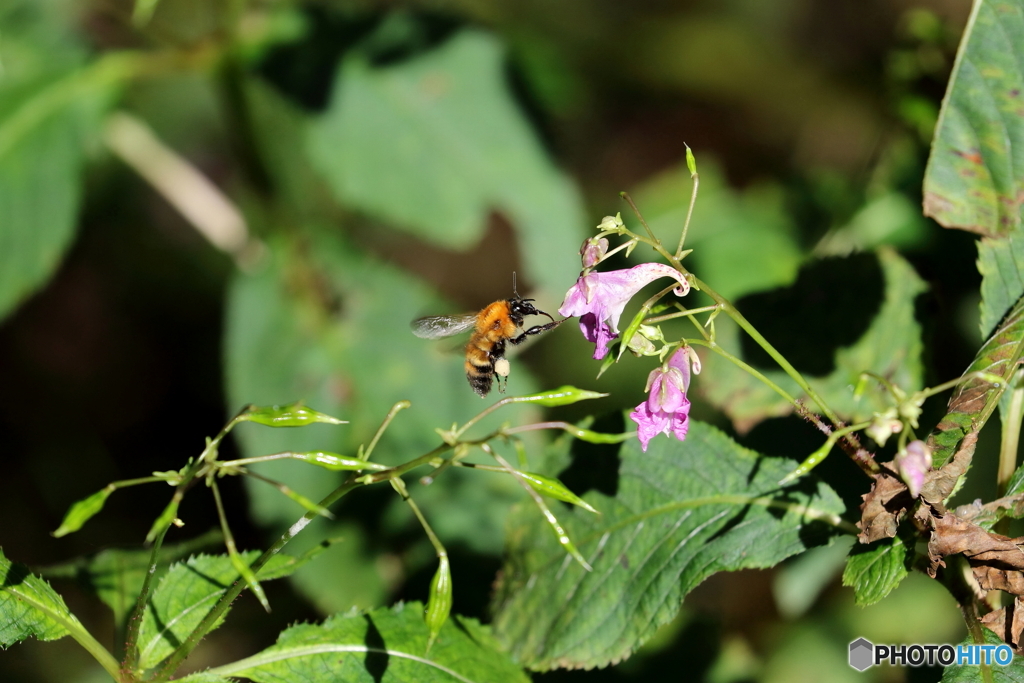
<point>291,415</point>
<point>163,521</point>
<point>562,396</point>
<point>81,511</point>
<point>631,329</point>
<point>610,359</point>
<point>335,462</point>
<point>439,604</point>
<point>553,488</point>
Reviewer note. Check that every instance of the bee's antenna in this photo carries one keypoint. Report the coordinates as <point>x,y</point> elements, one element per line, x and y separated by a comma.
<point>515,292</point>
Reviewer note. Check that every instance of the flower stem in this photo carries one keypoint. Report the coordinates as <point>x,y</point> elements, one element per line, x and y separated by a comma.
<point>1011,435</point>
<point>689,214</point>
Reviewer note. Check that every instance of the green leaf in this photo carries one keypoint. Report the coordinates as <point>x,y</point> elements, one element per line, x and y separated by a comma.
<point>682,512</point>
<point>1001,264</point>
<point>436,143</point>
<point>187,592</point>
<point>891,347</point>
<point>874,570</point>
<point>1014,673</point>
<point>975,174</point>
<point>382,646</point>
<point>115,575</point>
<point>41,157</point>
<point>81,511</point>
<point>29,607</point>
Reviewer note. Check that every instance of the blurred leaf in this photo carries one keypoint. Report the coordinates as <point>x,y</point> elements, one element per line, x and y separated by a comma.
<point>1014,673</point>
<point>43,129</point>
<point>800,581</point>
<point>683,511</point>
<point>304,328</point>
<point>887,220</point>
<point>437,142</point>
<point>743,242</point>
<point>187,592</point>
<point>975,174</point>
<point>382,646</point>
<point>29,607</point>
<point>891,347</point>
<point>115,576</point>
<point>203,677</point>
<point>874,570</point>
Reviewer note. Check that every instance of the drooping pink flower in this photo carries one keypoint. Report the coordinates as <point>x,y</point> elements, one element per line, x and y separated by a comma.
<point>598,299</point>
<point>666,409</point>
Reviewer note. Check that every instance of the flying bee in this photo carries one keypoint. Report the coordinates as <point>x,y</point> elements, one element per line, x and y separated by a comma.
<point>493,327</point>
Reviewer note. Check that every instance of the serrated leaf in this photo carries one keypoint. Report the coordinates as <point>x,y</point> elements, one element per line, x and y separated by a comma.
<point>975,174</point>
<point>1013,673</point>
<point>115,575</point>
<point>187,592</point>
<point>386,645</point>
<point>29,607</point>
<point>891,347</point>
<point>874,570</point>
<point>436,143</point>
<point>682,512</point>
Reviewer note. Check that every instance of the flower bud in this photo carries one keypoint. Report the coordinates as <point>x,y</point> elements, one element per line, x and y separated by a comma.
<point>611,222</point>
<point>913,464</point>
<point>592,251</point>
<point>883,426</point>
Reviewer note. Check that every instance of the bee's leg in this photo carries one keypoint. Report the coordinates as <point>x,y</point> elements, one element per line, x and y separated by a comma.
<point>536,329</point>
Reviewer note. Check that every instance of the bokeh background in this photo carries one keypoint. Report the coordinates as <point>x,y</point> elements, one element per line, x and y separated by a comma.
<point>391,160</point>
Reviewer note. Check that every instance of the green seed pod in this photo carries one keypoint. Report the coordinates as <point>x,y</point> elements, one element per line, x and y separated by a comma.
<point>335,462</point>
<point>554,489</point>
<point>440,603</point>
<point>292,415</point>
<point>562,396</point>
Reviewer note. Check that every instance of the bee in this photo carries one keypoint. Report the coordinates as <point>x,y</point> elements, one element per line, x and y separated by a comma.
<point>493,327</point>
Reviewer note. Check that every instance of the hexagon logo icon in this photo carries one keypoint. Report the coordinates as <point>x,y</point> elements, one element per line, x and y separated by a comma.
<point>862,654</point>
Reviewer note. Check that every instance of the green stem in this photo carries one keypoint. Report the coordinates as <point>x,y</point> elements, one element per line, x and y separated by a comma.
<point>401,405</point>
<point>131,644</point>
<point>1011,436</point>
<point>689,214</point>
<point>747,368</point>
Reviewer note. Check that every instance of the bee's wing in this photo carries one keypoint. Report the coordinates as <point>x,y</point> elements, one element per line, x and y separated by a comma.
<point>438,326</point>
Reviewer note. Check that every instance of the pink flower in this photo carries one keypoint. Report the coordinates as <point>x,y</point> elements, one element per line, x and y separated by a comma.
<point>598,299</point>
<point>666,408</point>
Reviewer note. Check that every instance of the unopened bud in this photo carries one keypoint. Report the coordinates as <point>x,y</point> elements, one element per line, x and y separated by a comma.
<point>883,426</point>
<point>913,464</point>
<point>611,222</point>
<point>592,251</point>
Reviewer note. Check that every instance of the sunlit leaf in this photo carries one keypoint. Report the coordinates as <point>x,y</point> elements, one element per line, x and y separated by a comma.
<point>437,142</point>
<point>975,174</point>
<point>382,646</point>
<point>186,594</point>
<point>29,607</point>
<point>682,512</point>
<point>874,570</point>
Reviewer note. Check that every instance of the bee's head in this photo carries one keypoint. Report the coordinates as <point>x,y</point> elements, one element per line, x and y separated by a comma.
<point>520,308</point>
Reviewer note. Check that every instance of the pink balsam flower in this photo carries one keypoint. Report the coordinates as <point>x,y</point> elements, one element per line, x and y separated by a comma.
<point>913,464</point>
<point>598,299</point>
<point>666,409</point>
